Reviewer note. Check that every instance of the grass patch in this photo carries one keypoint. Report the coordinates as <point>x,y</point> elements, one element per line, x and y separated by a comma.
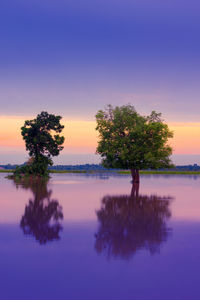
<point>125,172</point>
<point>6,171</point>
<point>163,172</point>
<point>68,171</point>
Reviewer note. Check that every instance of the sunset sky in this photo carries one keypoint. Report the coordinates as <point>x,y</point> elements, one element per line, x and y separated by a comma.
<point>73,58</point>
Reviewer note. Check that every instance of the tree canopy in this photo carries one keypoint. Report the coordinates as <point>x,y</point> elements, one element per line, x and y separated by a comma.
<point>43,140</point>
<point>128,140</point>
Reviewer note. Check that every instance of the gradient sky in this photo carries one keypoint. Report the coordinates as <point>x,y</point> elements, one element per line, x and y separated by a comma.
<point>74,57</point>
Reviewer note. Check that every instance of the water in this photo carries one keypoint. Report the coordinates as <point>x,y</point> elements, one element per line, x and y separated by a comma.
<point>88,237</point>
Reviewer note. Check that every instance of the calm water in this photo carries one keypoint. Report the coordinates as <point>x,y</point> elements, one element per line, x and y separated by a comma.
<point>91,237</point>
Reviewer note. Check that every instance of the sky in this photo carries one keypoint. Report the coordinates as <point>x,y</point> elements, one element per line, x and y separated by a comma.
<point>72,58</point>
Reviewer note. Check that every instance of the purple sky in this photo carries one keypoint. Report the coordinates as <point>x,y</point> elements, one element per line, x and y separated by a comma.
<point>74,57</point>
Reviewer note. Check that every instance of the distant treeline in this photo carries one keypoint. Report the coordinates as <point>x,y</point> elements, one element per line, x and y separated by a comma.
<point>90,167</point>
<point>86,167</point>
<point>63,167</point>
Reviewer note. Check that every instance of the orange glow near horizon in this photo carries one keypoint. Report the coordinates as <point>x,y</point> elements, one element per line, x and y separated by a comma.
<point>81,136</point>
<point>186,138</point>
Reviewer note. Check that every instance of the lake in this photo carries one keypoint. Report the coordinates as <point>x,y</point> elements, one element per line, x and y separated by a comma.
<point>82,236</point>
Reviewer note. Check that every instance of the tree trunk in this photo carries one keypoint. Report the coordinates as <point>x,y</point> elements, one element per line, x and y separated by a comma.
<point>135,191</point>
<point>135,175</point>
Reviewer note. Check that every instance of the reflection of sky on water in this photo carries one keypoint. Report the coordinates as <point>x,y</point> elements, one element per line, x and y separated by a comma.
<point>80,195</point>
<point>71,269</point>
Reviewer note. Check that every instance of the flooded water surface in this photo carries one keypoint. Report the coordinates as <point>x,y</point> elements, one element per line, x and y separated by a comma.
<point>98,237</point>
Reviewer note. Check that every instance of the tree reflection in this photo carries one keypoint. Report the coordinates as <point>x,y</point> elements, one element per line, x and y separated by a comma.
<point>42,214</point>
<point>130,223</point>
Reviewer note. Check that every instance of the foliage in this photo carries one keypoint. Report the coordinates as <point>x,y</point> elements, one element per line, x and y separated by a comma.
<point>41,143</point>
<point>39,167</point>
<point>129,140</point>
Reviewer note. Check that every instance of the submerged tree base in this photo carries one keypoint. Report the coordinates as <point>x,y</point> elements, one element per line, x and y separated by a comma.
<point>34,168</point>
<point>135,175</point>
<point>20,177</point>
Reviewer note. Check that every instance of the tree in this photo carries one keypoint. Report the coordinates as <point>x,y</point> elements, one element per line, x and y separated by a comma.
<point>43,141</point>
<point>129,140</point>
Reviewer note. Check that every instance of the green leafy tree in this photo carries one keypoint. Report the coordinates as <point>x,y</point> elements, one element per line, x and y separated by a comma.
<point>43,141</point>
<point>128,140</point>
